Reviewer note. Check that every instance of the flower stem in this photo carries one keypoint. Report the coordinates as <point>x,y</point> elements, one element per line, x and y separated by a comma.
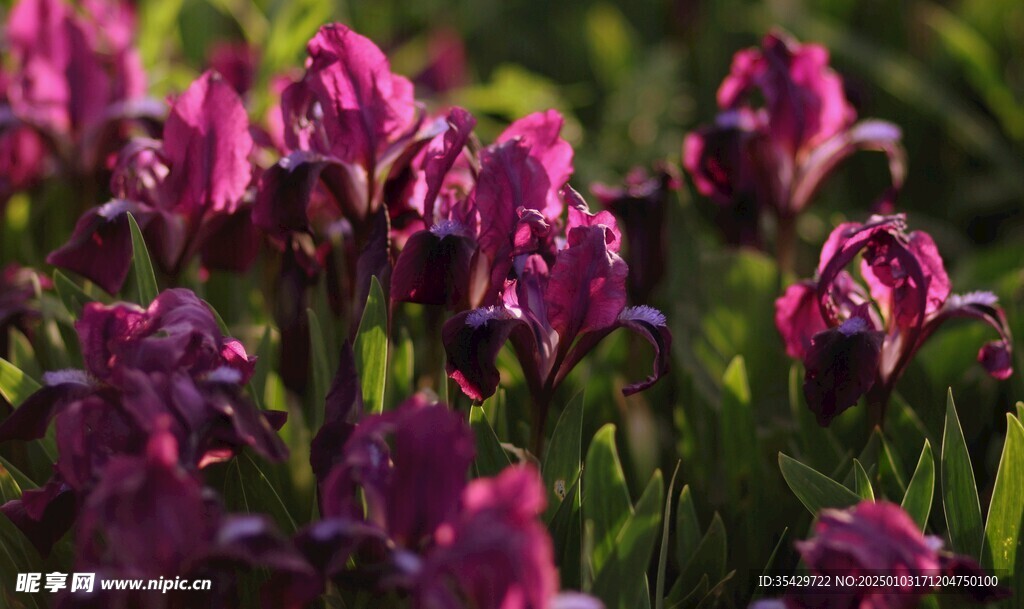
<point>785,244</point>
<point>538,422</point>
<point>878,402</point>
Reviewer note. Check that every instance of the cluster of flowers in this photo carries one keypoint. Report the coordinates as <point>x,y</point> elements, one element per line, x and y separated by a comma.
<point>754,161</point>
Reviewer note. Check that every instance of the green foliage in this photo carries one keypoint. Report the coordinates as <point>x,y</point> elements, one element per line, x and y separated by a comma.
<point>145,279</point>
<point>918,499</point>
<point>959,490</point>
<point>814,489</point>
<point>1001,549</point>
<point>15,385</point>
<point>371,348</point>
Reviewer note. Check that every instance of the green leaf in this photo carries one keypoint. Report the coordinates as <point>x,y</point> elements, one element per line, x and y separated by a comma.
<point>403,365</point>
<point>490,456</point>
<point>15,385</point>
<point>23,481</point>
<point>563,455</point>
<point>659,588</point>
<point>709,559</point>
<point>864,489</point>
<point>17,555</point>
<point>371,348</point>
<point>73,297</point>
<point>145,279</point>
<point>9,487</point>
<point>739,436</point>
<point>605,495</point>
<point>890,471</point>
<point>321,370</point>
<point>918,499</point>
<point>621,581</point>
<point>688,536</point>
<point>264,363</point>
<point>959,491</point>
<point>247,488</point>
<point>566,528</point>
<point>1001,550</point>
<point>814,489</point>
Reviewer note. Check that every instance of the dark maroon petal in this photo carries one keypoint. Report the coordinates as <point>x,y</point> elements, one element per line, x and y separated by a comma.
<point>30,420</point>
<point>433,450</point>
<point>343,406</point>
<point>236,62</point>
<point>438,163</point>
<point>967,569</point>
<point>100,248</point>
<point>207,141</point>
<point>580,215</point>
<point>233,242</point>
<point>841,365</point>
<point>646,321</point>
<point>248,426</point>
<point>374,260</point>
<point>255,541</point>
<point>89,432</point>
<point>433,267</point>
<point>586,290</point>
<point>43,515</point>
<point>170,525</point>
<point>472,340</point>
<point>285,190</point>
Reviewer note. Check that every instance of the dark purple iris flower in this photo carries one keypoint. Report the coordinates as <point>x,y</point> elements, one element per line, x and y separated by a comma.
<point>856,341</point>
<point>481,213</point>
<point>350,124</point>
<point>76,81</point>
<point>187,192</point>
<point>165,368</point>
<point>396,504</point>
<point>446,66</point>
<point>773,158</point>
<point>876,539</point>
<point>640,205</point>
<point>149,517</point>
<point>554,314</point>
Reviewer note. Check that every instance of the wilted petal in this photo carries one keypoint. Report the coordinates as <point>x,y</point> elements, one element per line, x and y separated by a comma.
<point>100,248</point>
<point>841,365</point>
<point>206,139</point>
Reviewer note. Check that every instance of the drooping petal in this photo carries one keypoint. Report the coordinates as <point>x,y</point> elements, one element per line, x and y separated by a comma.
<point>841,365</point>
<point>434,266</point>
<point>43,515</point>
<point>206,139</point>
<point>472,340</point>
<point>824,158</point>
<point>31,419</point>
<point>996,356</point>
<point>100,248</point>
<point>285,191</point>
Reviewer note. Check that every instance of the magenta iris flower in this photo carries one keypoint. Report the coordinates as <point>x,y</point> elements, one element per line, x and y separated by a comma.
<point>76,81</point>
<point>182,190</point>
<point>770,159</point>
<point>395,497</point>
<point>857,341</point>
<point>165,368</point>
<point>480,214</point>
<point>554,314</point>
<point>876,538</point>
